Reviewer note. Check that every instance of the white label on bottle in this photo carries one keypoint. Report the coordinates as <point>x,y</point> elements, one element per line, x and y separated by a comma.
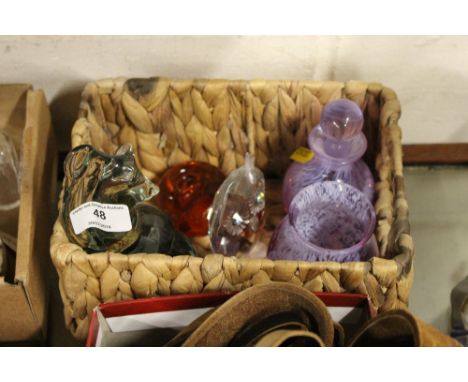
<point>107,217</point>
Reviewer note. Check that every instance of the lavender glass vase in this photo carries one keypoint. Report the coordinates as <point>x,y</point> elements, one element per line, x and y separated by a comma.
<point>328,221</point>
<point>338,144</point>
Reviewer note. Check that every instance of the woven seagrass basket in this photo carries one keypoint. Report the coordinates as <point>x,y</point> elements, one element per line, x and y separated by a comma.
<point>170,121</point>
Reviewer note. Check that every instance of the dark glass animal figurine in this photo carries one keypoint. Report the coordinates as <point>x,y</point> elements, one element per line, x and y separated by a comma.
<point>114,181</point>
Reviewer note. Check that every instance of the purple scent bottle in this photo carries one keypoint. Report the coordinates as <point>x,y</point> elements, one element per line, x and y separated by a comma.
<point>338,143</point>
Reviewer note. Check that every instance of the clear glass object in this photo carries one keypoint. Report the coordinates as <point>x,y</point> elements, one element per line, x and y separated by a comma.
<point>338,143</point>
<point>327,221</point>
<point>91,175</point>
<point>459,304</point>
<point>10,195</point>
<point>238,210</point>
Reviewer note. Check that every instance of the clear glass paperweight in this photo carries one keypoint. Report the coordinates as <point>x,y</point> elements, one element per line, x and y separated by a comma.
<point>238,210</point>
<point>338,144</point>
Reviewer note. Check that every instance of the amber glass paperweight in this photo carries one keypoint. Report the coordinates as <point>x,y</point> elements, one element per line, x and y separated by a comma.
<point>186,194</point>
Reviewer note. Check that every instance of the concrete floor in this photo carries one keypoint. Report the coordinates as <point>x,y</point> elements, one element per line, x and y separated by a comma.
<point>438,201</point>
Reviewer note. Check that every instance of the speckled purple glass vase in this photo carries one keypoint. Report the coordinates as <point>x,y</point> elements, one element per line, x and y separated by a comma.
<point>338,144</point>
<point>327,221</point>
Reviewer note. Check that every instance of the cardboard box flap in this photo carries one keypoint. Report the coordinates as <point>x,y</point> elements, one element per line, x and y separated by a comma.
<point>39,162</point>
<point>34,197</point>
<point>16,318</point>
<point>24,301</point>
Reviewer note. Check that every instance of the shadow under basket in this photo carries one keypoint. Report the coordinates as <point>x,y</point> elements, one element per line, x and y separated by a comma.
<point>170,121</point>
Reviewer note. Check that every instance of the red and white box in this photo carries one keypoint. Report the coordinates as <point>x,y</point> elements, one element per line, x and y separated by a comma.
<point>153,321</point>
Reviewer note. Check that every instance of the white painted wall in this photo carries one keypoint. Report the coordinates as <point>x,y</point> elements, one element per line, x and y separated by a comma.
<point>429,74</point>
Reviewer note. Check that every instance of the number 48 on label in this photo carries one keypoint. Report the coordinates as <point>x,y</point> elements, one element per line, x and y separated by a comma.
<point>107,217</point>
<point>99,214</point>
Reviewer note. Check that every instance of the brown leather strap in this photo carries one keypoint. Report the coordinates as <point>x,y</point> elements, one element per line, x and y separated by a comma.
<point>258,328</point>
<point>296,338</point>
<point>399,328</point>
<point>257,304</point>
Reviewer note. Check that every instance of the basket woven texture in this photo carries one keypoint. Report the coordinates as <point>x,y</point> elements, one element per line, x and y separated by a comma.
<point>170,121</point>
